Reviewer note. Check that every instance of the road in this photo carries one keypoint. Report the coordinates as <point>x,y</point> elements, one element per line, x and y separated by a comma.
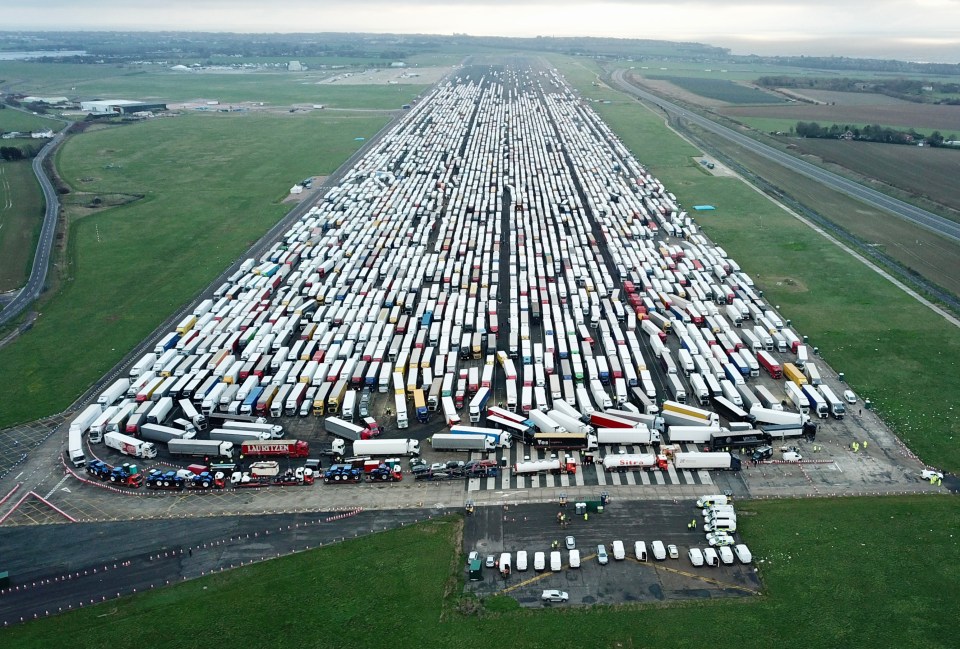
<point>41,260</point>
<point>879,200</point>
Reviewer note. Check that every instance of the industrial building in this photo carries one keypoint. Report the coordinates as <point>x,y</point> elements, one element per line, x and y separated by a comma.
<point>120,106</point>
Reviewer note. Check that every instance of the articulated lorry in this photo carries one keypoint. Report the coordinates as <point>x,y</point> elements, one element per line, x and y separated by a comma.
<point>723,461</point>
<point>634,462</point>
<point>639,435</point>
<point>116,390</point>
<point>556,465</point>
<point>409,447</point>
<point>568,423</point>
<point>778,417</point>
<point>346,429</point>
<point>236,436</point>
<point>158,433</point>
<point>691,434</point>
<point>500,438</point>
<point>465,442</point>
<point>206,448</point>
<point>678,414</point>
<point>275,431</point>
<point>276,448</point>
<point>81,423</point>
<point>130,445</point>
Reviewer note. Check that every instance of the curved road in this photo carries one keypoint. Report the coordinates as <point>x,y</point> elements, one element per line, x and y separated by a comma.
<point>879,200</point>
<point>41,260</point>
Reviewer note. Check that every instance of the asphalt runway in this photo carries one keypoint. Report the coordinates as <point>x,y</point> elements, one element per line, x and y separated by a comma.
<point>56,568</point>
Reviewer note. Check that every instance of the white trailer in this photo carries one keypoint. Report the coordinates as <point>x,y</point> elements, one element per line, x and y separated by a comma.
<point>116,390</point>
<point>386,447</point>
<point>628,436</point>
<point>570,424</point>
<point>694,460</point>
<point>445,442</point>
<point>778,417</point>
<point>75,448</point>
<point>545,423</point>
<point>691,434</point>
<point>274,431</point>
<point>82,422</point>
<point>130,445</point>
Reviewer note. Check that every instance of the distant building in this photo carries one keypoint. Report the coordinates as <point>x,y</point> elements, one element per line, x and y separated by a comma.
<point>398,64</point>
<point>40,135</point>
<point>120,106</point>
<point>294,66</point>
<point>51,101</point>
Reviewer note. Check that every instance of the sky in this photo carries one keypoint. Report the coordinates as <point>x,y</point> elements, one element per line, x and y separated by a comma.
<point>916,30</point>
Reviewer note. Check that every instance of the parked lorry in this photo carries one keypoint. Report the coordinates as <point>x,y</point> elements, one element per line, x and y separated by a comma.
<point>837,408</point>
<point>713,460</point>
<point>158,433</point>
<point>634,462</point>
<point>190,412</point>
<point>583,441</point>
<point>206,448</point>
<point>500,438</point>
<point>674,413</point>
<point>116,390</point>
<point>75,448</point>
<point>691,434</point>
<point>556,465</point>
<point>768,416</point>
<point>465,442</point>
<point>274,430</point>
<point>81,422</point>
<point>346,429</point>
<point>568,423</point>
<point>816,401</point>
<point>386,447</point>
<point>607,420</point>
<point>342,474</point>
<point>637,435</point>
<point>130,445</point>
<point>236,436</point>
<point>276,448</point>
<point>168,480</point>
<point>807,429</point>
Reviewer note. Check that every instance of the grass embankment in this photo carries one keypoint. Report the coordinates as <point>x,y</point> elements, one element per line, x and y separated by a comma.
<point>21,215</point>
<point>849,572</point>
<point>18,120</point>
<point>212,186</point>
<point>893,350</point>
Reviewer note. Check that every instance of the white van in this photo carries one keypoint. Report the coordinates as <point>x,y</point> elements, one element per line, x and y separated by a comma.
<point>555,562</point>
<point>710,556</point>
<point>710,501</point>
<point>716,510</point>
<point>721,524</point>
<point>574,558</point>
<point>726,555</point>
<point>539,561</point>
<point>505,567</point>
<point>659,551</point>
<point>618,552</point>
<point>640,550</point>
<point>521,560</point>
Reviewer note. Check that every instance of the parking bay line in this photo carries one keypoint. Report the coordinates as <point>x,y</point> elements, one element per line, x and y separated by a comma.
<point>709,580</point>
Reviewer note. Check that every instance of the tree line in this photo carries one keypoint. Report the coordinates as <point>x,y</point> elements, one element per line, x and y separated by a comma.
<point>870,133</point>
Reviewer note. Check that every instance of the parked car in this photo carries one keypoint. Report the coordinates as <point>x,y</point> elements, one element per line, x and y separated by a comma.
<point>570,542</point>
<point>602,555</point>
<point>491,561</point>
<point>743,553</point>
<point>673,551</point>
<point>473,556</point>
<point>930,474</point>
<point>849,396</point>
<point>659,551</point>
<point>719,539</point>
<point>696,557</point>
<point>555,596</point>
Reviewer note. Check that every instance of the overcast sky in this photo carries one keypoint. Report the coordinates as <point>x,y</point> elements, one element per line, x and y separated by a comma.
<point>913,29</point>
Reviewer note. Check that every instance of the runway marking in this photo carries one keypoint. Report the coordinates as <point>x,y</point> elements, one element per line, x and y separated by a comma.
<point>57,486</point>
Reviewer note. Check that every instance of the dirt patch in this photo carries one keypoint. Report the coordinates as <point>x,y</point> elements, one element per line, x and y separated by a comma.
<point>788,284</point>
<point>669,90</point>
<point>80,204</point>
<point>415,76</point>
<point>905,114</point>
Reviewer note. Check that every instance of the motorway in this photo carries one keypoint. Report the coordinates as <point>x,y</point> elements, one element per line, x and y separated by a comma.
<point>41,261</point>
<point>879,200</point>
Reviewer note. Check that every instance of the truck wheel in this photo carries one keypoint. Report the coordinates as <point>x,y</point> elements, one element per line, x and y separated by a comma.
<point>384,476</point>
<point>205,485</point>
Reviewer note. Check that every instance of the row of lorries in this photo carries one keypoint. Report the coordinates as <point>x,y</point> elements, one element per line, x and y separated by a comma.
<point>392,284</point>
<point>199,477</point>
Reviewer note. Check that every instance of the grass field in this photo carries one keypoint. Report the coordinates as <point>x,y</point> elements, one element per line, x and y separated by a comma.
<point>720,90</point>
<point>893,350</point>
<point>125,82</point>
<point>21,215</point>
<point>212,184</point>
<point>923,117</point>
<point>18,120</point>
<point>924,171</point>
<point>784,125</point>
<point>847,572</point>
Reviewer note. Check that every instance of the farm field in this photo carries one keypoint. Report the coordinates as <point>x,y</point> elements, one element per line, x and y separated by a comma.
<point>923,171</point>
<point>18,120</point>
<point>208,196</point>
<point>846,571</point>
<point>851,98</point>
<point>721,90</point>
<point>21,215</point>
<point>923,117</point>
<point>810,278</point>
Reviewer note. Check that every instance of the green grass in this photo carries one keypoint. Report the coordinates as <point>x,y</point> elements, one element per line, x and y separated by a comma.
<point>21,215</point>
<point>773,124</point>
<point>719,89</point>
<point>212,186</point>
<point>892,349</point>
<point>848,572</point>
<point>18,120</point>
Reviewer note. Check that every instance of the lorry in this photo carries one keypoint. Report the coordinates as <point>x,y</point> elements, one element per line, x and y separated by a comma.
<point>731,439</point>
<point>190,412</point>
<point>159,413</point>
<point>807,429</point>
<point>568,423</point>
<point>770,364</point>
<point>130,445</point>
<point>465,442</point>
<point>478,404</point>
<point>81,423</point>
<point>386,447</point>
<point>713,460</point>
<point>583,441</point>
<point>168,480</point>
<point>691,434</point>
<point>116,390</point>
<point>545,423</point>
<point>206,448</point>
<point>275,431</point>
<point>346,430</point>
<point>275,448</point>
<point>556,465</point>
<point>637,435</point>
<point>674,413</point>
<point>75,448</point>
<point>500,438</point>
<point>126,475</point>
<point>158,433</point>
<point>768,416</point>
<point>634,462</point>
<point>607,420</point>
<point>816,401</point>
<point>236,436</point>
<point>837,408</point>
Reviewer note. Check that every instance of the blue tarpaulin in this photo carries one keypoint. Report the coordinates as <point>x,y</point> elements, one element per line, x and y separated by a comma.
<point>701,208</point>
